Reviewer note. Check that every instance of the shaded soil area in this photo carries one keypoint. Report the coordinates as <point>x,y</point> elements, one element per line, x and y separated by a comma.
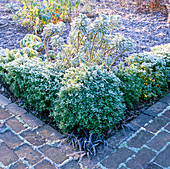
<point>11,33</point>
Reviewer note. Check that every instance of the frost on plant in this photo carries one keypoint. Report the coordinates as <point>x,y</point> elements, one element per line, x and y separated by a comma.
<point>89,41</point>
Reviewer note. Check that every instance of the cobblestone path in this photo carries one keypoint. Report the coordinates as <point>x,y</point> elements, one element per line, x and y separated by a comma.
<point>26,142</point>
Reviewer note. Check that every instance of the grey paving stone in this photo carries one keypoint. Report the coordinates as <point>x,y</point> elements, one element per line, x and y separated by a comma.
<point>45,165</point>
<point>140,139</point>
<point>123,168</point>
<point>15,125</point>
<point>19,165</point>
<point>141,159</point>
<point>4,114</point>
<point>102,152</point>
<point>167,127</point>
<point>118,137</point>
<point>116,158</point>
<point>10,139</point>
<point>140,121</point>
<point>2,127</point>
<point>156,109</point>
<point>49,133</point>
<point>65,147</point>
<point>15,109</point>
<point>159,141</point>
<point>167,114</point>
<point>54,153</point>
<point>7,156</point>
<point>25,151</point>
<point>32,137</point>
<point>166,99</point>
<point>97,167</point>
<point>153,166</point>
<point>71,165</point>
<point>31,120</point>
<point>157,124</point>
<point>4,101</point>
<point>163,158</point>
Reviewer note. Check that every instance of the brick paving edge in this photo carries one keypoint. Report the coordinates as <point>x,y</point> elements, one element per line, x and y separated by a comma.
<point>18,111</point>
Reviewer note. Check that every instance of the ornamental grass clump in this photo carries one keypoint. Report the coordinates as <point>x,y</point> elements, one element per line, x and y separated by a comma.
<point>89,99</point>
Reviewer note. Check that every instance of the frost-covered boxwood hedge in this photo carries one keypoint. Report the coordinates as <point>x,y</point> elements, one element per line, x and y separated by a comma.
<point>33,80</point>
<point>86,97</point>
<point>89,98</point>
<point>145,75</point>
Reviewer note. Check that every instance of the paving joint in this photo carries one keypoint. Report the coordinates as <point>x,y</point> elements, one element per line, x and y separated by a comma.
<point>40,138</point>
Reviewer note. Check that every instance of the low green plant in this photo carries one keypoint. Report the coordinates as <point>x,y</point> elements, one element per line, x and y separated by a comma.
<point>12,7</point>
<point>35,81</point>
<point>31,41</point>
<point>49,31</point>
<point>154,74</point>
<point>7,55</point>
<point>130,85</point>
<point>89,99</point>
<point>163,50</point>
<point>145,75</point>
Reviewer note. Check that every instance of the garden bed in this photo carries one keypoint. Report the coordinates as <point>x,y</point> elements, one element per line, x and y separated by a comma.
<point>87,101</point>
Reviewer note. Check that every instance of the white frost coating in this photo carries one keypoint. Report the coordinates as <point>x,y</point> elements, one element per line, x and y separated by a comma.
<point>167,108</point>
<point>101,166</point>
<point>161,151</point>
<point>66,161</point>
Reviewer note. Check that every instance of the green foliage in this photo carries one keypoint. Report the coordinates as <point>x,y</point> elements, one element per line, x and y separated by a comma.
<point>145,75</point>
<point>49,31</point>
<point>85,96</point>
<point>163,50</point>
<point>89,99</point>
<point>7,55</point>
<point>31,41</point>
<point>33,80</point>
<point>37,14</point>
<point>154,72</point>
<point>88,41</point>
<point>131,85</point>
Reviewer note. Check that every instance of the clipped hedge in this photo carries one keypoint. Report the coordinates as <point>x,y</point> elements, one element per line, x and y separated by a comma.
<point>145,75</point>
<point>33,80</point>
<point>163,50</point>
<point>86,97</point>
<point>130,85</point>
<point>89,99</point>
